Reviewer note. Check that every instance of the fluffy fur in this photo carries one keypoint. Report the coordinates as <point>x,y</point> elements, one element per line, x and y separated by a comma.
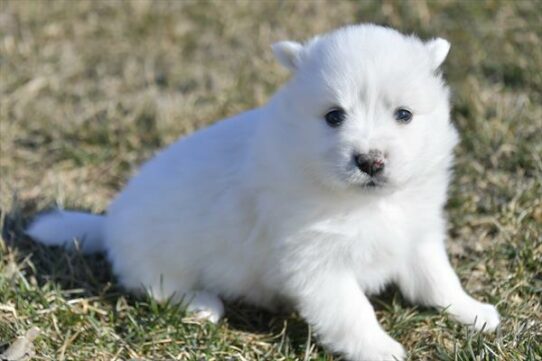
<point>270,206</point>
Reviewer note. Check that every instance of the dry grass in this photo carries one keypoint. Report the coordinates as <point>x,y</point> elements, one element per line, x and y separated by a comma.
<point>89,90</point>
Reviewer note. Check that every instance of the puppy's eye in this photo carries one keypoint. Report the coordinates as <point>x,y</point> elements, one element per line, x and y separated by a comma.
<point>335,117</point>
<point>403,115</point>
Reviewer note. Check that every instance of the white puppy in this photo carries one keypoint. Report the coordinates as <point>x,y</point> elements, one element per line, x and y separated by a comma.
<point>321,197</point>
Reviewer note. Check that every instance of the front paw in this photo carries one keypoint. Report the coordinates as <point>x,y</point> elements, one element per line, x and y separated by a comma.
<point>383,348</point>
<point>479,316</point>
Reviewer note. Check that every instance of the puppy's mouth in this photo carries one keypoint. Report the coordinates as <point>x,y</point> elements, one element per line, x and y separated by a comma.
<point>358,180</point>
<point>374,183</point>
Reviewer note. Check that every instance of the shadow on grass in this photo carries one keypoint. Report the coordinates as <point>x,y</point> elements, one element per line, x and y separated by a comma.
<point>70,270</point>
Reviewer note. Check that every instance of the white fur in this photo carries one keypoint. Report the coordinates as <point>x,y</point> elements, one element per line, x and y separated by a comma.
<point>64,228</point>
<point>269,205</point>
<point>288,53</point>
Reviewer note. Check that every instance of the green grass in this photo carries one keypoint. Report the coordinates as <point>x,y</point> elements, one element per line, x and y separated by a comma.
<point>89,90</point>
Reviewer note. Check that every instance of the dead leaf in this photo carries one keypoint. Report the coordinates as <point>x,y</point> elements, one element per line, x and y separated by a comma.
<point>22,349</point>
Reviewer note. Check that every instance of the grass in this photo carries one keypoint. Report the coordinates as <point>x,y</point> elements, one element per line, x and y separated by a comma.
<point>89,90</point>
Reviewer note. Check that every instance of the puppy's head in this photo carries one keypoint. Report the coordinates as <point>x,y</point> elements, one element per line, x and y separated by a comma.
<point>366,107</point>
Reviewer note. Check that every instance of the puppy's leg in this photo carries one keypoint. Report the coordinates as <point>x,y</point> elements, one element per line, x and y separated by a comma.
<point>429,279</point>
<point>343,318</point>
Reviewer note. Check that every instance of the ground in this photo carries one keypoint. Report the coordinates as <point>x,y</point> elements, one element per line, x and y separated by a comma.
<point>89,90</point>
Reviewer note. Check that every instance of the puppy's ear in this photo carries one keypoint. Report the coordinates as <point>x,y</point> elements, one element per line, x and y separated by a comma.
<point>288,54</point>
<point>438,50</point>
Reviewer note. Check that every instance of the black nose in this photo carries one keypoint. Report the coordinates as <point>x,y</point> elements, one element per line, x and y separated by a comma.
<point>369,164</point>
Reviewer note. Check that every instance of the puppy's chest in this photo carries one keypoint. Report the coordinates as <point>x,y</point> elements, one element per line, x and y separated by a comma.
<point>372,241</point>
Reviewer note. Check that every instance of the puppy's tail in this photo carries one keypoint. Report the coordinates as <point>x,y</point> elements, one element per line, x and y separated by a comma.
<point>60,228</point>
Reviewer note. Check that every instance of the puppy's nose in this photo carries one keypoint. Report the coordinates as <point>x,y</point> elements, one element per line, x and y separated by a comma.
<point>369,164</point>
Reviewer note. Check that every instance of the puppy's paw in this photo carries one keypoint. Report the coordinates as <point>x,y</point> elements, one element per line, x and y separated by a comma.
<point>487,318</point>
<point>384,348</point>
<point>479,316</point>
<point>206,315</point>
<point>205,306</point>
